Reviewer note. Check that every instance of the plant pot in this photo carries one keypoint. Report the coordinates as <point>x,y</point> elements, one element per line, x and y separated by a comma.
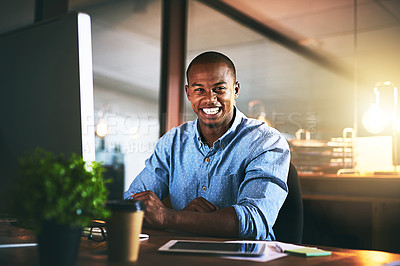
<point>58,244</point>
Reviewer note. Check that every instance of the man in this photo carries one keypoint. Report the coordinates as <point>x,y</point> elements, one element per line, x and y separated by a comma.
<point>225,173</point>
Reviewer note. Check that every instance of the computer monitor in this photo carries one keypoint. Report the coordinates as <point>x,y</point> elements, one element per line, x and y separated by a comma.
<point>46,94</point>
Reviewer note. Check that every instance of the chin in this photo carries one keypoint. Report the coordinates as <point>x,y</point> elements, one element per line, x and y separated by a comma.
<point>213,124</point>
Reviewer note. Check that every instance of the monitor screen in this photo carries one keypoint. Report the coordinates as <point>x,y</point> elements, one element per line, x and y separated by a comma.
<point>46,95</point>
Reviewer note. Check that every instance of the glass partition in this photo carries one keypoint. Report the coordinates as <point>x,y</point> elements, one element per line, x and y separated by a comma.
<point>291,93</point>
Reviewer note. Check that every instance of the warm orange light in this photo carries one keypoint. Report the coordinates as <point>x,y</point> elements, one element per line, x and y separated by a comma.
<point>261,117</point>
<point>101,128</point>
<point>375,258</point>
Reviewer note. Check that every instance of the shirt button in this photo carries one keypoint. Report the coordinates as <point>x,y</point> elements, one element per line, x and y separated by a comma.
<point>207,160</point>
<point>204,188</point>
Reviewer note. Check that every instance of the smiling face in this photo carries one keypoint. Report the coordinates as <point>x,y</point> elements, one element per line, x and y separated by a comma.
<point>212,90</point>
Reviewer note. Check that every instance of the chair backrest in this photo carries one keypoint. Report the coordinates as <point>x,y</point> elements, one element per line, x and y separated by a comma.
<point>289,224</point>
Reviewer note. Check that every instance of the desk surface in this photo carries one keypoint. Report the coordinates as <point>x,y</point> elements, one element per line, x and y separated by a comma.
<point>93,253</point>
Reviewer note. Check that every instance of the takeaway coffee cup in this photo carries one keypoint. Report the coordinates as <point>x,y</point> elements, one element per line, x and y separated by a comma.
<point>123,229</point>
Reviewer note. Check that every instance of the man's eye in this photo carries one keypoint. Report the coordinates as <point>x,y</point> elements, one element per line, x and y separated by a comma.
<point>198,89</point>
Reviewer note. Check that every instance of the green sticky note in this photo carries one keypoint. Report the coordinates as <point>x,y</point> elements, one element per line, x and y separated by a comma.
<point>308,252</point>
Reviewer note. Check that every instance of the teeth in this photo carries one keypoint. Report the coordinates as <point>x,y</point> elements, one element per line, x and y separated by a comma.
<point>211,111</point>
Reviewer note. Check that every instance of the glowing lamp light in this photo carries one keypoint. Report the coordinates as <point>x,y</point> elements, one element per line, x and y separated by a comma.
<point>375,120</point>
<point>101,128</point>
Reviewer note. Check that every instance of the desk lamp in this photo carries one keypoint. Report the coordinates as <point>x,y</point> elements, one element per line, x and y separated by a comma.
<point>383,111</point>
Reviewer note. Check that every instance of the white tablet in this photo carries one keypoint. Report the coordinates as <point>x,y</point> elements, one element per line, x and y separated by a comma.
<point>214,247</point>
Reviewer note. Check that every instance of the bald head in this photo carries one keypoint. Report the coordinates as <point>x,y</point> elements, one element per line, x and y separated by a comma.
<point>211,58</point>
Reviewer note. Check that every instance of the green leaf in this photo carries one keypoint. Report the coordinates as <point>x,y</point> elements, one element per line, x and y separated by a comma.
<point>55,187</point>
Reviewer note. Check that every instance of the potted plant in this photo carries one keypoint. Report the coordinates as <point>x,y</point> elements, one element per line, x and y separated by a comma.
<point>56,196</point>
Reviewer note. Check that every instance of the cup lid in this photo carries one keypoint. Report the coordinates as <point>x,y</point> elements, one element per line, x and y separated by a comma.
<point>125,205</point>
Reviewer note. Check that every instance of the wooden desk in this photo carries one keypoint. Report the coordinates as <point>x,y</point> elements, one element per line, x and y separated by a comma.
<point>94,254</point>
<point>352,211</point>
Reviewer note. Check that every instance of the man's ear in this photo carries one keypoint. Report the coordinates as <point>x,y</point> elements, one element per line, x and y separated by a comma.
<point>237,89</point>
<point>187,92</point>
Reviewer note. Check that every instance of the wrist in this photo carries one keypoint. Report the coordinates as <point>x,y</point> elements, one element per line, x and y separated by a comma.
<point>170,217</point>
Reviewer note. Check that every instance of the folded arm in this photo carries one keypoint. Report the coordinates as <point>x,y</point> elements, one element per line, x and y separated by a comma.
<point>199,217</point>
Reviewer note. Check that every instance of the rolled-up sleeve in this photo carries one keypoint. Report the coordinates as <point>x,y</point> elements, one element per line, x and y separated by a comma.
<point>264,188</point>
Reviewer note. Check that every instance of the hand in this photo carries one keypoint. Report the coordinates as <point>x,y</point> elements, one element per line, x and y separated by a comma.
<point>155,213</point>
<point>200,204</point>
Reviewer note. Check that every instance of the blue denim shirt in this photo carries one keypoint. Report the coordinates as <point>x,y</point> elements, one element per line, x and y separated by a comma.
<point>246,168</point>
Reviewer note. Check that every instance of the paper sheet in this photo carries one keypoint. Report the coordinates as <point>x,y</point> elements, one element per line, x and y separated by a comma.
<point>271,252</point>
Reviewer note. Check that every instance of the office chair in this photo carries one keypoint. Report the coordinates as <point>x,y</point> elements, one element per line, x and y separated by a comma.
<point>289,224</point>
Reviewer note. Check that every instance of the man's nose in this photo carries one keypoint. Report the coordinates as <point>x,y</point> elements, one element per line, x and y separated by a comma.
<point>211,96</point>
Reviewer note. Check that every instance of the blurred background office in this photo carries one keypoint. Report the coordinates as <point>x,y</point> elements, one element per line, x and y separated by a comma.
<point>323,72</point>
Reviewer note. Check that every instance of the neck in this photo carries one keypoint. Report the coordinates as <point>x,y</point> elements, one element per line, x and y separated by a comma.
<point>210,135</point>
